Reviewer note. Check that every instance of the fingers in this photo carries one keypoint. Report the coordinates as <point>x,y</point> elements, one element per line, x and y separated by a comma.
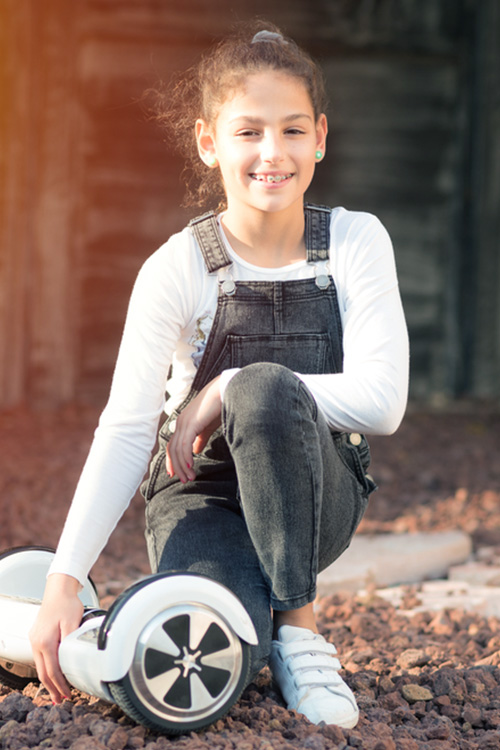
<point>60,614</point>
<point>180,455</point>
<point>49,672</point>
<point>183,446</point>
<point>194,426</point>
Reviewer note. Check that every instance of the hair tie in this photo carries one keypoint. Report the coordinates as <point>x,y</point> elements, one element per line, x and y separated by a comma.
<point>268,36</point>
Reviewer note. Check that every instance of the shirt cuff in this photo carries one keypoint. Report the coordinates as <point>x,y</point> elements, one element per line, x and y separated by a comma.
<point>225,377</point>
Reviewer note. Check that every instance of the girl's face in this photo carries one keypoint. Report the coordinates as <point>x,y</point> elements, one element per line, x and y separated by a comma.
<point>265,140</point>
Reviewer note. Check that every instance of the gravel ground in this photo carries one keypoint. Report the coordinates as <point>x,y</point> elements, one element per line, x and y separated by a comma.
<point>429,681</point>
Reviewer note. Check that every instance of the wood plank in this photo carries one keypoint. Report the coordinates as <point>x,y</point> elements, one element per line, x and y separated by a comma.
<point>54,296</point>
<point>484,349</point>
<point>16,39</point>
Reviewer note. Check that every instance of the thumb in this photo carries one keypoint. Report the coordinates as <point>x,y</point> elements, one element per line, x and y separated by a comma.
<point>203,437</point>
<point>201,440</point>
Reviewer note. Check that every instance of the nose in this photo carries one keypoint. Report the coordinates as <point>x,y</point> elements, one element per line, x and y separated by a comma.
<point>272,148</point>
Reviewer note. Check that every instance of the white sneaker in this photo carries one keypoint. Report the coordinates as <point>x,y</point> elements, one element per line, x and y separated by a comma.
<point>306,672</point>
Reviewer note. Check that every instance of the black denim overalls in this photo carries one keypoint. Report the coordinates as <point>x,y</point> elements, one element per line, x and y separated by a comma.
<point>277,495</point>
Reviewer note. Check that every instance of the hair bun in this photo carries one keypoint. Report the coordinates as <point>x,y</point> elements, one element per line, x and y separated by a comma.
<point>268,36</point>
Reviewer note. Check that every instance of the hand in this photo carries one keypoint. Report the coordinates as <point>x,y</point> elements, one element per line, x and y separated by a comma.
<point>195,424</point>
<point>60,613</point>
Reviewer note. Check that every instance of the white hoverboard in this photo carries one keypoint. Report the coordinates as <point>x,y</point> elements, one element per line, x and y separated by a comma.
<point>173,650</point>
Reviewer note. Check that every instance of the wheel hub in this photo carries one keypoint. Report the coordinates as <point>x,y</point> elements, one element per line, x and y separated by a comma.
<point>187,662</point>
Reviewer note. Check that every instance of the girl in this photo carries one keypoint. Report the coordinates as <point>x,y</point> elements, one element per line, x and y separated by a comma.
<point>281,328</point>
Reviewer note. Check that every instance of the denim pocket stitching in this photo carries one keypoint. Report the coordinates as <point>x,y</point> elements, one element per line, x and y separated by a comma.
<point>156,468</point>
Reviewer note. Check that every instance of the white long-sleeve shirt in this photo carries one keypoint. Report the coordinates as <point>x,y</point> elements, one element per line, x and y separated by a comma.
<point>168,321</point>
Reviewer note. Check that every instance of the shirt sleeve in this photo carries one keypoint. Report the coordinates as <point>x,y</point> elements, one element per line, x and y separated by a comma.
<point>127,429</point>
<point>370,394</point>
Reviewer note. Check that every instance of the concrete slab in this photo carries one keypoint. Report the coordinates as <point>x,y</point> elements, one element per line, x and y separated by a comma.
<point>436,596</point>
<point>389,559</point>
<point>478,573</point>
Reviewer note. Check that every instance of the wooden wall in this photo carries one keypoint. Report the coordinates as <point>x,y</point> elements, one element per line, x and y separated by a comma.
<point>88,189</point>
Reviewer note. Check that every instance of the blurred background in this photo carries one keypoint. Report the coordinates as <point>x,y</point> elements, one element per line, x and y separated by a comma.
<point>89,189</point>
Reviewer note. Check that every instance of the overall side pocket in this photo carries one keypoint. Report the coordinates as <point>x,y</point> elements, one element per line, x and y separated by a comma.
<point>356,458</point>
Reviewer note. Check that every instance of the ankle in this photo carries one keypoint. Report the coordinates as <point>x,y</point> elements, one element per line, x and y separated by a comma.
<point>298,618</point>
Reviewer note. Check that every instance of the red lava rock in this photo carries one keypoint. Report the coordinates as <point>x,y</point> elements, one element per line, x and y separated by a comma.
<point>452,654</point>
<point>442,700</point>
<point>489,741</point>
<point>385,744</point>
<point>380,666</point>
<point>442,624</point>
<point>87,743</point>
<point>118,739</point>
<point>472,715</point>
<point>406,743</point>
<point>452,712</point>
<point>314,742</point>
<point>415,693</point>
<point>385,684</point>
<point>446,681</point>
<point>391,701</point>
<point>438,728</point>
<point>366,625</point>
<point>333,733</point>
<point>492,718</point>
<point>15,706</point>
<point>363,681</point>
<point>419,708</point>
<point>412,657</point>
<point>8,729</point>
<point>355,739</point>
<point>403,715</point>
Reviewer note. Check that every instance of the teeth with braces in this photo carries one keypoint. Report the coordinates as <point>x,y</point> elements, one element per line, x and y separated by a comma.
<point>272,177</point>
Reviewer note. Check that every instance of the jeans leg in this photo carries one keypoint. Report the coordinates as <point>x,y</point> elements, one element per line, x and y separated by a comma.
<point>300,500</point>
<point>197,528</point>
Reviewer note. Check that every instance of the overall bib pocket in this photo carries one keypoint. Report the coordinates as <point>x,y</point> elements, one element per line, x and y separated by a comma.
<point>300,352</point>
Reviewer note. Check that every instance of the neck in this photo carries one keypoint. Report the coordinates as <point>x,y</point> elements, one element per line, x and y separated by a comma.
<point>270,240</point>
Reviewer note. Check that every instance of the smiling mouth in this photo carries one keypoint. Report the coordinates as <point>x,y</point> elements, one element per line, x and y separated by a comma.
<point>271,177</point>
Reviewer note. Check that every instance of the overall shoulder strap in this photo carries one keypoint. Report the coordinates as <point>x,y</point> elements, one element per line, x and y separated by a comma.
<point>317,236</point>
<point>206,231</point>
<point>317,232</point>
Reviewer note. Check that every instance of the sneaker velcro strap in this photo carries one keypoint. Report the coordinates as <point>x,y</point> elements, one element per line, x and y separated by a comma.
<point>306,647</point>
<point>315,662</point>
<point>317,678</point>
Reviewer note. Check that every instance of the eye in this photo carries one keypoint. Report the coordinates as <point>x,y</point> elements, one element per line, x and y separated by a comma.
<point>247,133</point>
<point>294,131</point>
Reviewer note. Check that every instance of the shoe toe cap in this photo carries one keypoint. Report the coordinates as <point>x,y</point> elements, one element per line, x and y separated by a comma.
<point>338,708</point>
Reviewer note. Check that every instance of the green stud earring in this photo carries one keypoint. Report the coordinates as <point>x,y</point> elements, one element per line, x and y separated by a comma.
<point>319,154</point>
<point>211,161</point>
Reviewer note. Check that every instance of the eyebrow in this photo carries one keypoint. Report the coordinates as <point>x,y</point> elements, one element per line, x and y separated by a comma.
<point>258,120</point>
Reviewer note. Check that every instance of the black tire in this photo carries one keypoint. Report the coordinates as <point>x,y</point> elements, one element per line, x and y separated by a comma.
<point>189,668</point>
<point>10,678</point>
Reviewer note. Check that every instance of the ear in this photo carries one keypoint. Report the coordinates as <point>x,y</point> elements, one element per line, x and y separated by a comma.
<point>206,143</point>
<point>321,133</point>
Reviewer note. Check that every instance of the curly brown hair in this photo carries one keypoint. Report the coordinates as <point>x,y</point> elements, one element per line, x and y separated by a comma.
<point>200,91</point>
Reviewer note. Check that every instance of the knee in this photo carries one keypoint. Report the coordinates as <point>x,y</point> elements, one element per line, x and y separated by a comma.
<point>261,385</point>
<point>265,398</point>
